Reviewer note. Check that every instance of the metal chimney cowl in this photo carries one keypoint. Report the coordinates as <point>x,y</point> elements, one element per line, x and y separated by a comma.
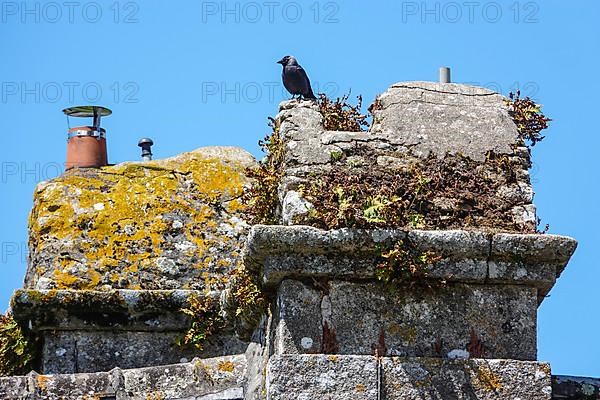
<point>86,145</point>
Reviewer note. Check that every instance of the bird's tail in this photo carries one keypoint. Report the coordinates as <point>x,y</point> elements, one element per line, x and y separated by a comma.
<point>310,94</point>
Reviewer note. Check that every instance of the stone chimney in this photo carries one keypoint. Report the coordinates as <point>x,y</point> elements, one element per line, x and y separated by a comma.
<point>428,290</point>
<point>468,330</point>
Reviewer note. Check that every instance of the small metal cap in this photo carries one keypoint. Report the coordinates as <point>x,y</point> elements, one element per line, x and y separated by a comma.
<point>445,75</point>
<point>87,111</point>
<point>146,145</point>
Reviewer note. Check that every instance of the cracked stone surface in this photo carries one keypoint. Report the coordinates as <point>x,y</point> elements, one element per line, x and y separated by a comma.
<point>219,378</point>
<point>445,118</point>
<point>409,321</point>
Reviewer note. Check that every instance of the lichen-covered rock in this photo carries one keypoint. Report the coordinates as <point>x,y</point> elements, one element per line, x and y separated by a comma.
<point>360,318</point>
<point>219,378</point>
<point>307,377</point>
<point>322,377</point>
<point>166,224</point>
<point>415,379</point>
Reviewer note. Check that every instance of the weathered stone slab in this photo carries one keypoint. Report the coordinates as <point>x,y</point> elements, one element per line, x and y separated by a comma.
<point>523,249</point>
<point>94,351</point>
<point>216,378</point>
<point>89,331</point>
<point>358,318</point>
<point>307,377</point>
<point>575,388</point>
<point>429,379</point>
<point>219,378</point>
<point>303,252</point>
<point>535,259</point>
<point>322,377</point>
<point>140,310</point>
<point>298,319</point>
<point>464,254</point>
<point>442,118</point>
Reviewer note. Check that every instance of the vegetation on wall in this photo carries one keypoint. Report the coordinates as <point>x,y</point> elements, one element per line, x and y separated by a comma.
<point>449,193</point>
<point>17,350</point>
<point>248,301</point>
<point>528,117</point>
<point>205,320</point>
<point>339,115</point>
<point>261,199</point>
<point>404,263</point>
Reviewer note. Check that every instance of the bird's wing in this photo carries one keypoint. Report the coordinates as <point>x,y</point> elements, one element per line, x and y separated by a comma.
<point>308,89</point>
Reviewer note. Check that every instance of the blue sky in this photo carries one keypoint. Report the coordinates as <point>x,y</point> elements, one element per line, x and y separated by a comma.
<point>197,73</point>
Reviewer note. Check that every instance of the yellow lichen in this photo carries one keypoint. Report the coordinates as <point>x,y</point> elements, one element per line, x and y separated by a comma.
<point>486,379</point>
<point>116,217</point>
<point>226,366</point>
<point>42,381</point>
<point>407,333</point>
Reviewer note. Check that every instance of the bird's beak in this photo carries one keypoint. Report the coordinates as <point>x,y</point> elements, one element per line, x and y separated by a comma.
<point>280,62</point>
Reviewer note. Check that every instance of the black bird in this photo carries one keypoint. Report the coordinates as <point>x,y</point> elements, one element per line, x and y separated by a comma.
<point>295,79</point>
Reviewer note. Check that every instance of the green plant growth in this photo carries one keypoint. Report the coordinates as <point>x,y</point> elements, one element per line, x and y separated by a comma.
<point>339,115</point>
<point>17,351</point>
<point>528,117</point>
<point>261,198</point>
<point>403,263</point>
<point>450,193</point>
<point>248,302</point>
<point>336,156</point>
<point>205,320</point>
